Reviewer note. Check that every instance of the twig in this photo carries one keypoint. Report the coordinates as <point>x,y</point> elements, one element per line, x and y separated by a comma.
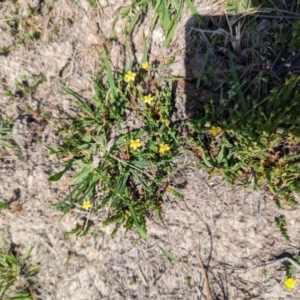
<point>283,260</point>
<point>207,289</point>
<point>272,262</point>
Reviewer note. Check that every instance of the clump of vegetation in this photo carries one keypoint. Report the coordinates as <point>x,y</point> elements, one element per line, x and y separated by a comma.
<point>24,27</point>
<point>167,12</point>
<point>17,277</point>
<point>250,135</point>
<point>120,163</point>
<point>6,140</point>
<point>291,264</point>
<point>256,147</point>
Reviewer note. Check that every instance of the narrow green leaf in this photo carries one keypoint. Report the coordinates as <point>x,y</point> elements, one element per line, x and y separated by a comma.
<point>206,162</point>
<point>119,188</point>
<point>145,49</point>
<point>173,25</point>
<point>111,80</point>
<point>139,178</point>
<point>169,255</point>
<point>22,296</point>
<point>81,175</point>
<point>27,254</point>
<point>194,11</point>
<point>6,144</point>
<point>221,154</point>
<point>163,14</point>
<point>58,175</point>
<point>134,20</point>
<point>139,228</point>
<point>236,82</point>
<point>142,163</point>
<point>125,11</point>
<point>81,101</point>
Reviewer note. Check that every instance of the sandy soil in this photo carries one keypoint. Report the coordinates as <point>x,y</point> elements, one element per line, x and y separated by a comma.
<point>231,228</point>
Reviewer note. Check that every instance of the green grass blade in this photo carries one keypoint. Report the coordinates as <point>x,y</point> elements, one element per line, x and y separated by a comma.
<point>21,296</point>
<point>194,11</point>
<point>6,144</point>
<point>204,62</point>
<point>139,178</point>
<point>145,50</point>
<point>81,101</point>
<point>134,20</point>
<point>111,80</point>
<point>163,14</point>
<point>59,175</point>
<point>81,175</point>
<point>236,82</point>
<point>169,255</point>
<point>27,254</point>
<point>139,228</point>
<point>141,163</point>
<point>173,25</point>
<point>119,188</point>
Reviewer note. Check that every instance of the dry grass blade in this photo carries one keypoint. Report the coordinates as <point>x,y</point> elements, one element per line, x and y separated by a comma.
<point>207,289</point>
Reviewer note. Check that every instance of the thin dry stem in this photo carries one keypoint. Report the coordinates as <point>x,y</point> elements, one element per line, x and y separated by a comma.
<point>207,289</point>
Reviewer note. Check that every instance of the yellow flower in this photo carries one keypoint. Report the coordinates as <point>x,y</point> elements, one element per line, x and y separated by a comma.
<point>163,148</point>
<point>86,204</point>
<point>167,122</point>
<point>135,144</point>
<point>148,99</point>
<point>290,283</point>
<point>129,76</point>
<point>214,131</point>
<point>145,65</point>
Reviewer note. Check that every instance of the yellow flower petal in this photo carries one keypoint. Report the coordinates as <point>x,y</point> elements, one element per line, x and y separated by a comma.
<point>163,148</point>
<point>290,283</point>
<point>214,131</point>
<point>145,65</point>
<point>129,76</point>
<point>148,99</point>
<point>86,204</point>
<point>135,144</point>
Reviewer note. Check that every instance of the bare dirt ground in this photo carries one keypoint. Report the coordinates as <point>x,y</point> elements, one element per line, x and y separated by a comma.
<point>231,228</point>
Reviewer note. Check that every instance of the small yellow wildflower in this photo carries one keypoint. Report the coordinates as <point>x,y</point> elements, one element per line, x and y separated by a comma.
<point>148,99</point>
<point>290,283</point>
<point>167,122</point>
<point>163,148</point>
<point>145,65</point>
<point>129,76</point>
<point>86,204</point>
<point>135,144</point>
<point>214,131</point>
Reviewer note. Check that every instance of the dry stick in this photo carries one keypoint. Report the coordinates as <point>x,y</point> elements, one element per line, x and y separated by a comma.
<point>32,293</point>
<point>281,260</point>
<point>268,263</point>
<point>207,289</point>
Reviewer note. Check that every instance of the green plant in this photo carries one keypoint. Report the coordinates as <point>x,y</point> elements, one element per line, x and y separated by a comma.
<point>5,203</point>
<point>17,277</point>
<point>120,164</point>
<point>168,12</point>
<point>5,133</point>
<point>258,147</point>
<point>25,86</point>
<point>281,226</point>
<point>5,136</point>
<point>24,27</point>
<point>93,3</point>
<point>290,267</point>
